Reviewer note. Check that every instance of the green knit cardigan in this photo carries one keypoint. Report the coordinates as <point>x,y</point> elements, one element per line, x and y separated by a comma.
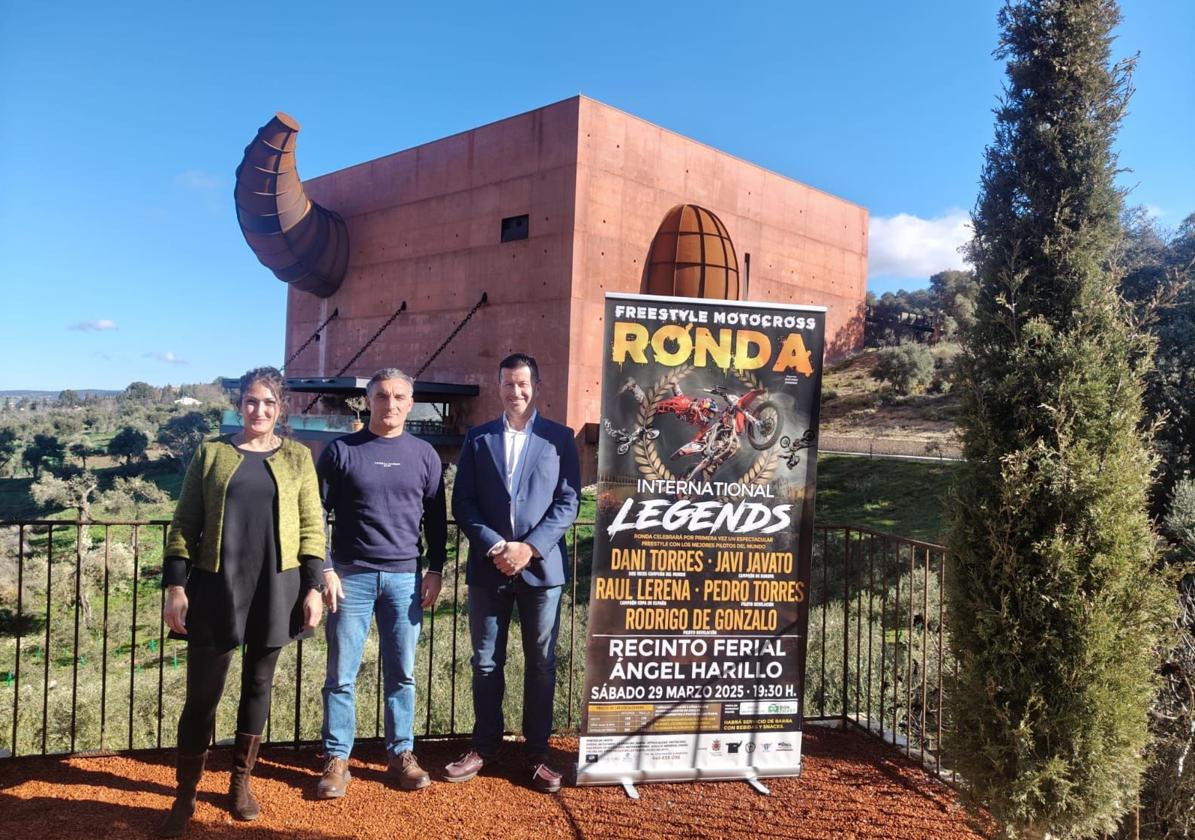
<point>198,522</point>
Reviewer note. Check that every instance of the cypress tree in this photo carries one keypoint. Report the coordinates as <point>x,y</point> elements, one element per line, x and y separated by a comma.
<point>1062,614</point>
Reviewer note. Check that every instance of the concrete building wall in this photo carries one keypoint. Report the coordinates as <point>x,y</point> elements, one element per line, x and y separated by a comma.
<point>424,227</point>
<point>806,246</point>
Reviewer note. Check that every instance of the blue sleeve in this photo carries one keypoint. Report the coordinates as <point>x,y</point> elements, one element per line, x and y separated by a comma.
<point>566,501</point>
<point>466,506</point>
<point>435,514</point>
<point>328,471</point>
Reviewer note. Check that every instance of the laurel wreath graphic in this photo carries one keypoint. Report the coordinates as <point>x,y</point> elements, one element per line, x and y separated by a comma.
<point>647,455</point>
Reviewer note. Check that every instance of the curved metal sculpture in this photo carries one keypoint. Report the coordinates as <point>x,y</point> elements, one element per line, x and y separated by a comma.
<point>691,255</point>
<point>304,244</point>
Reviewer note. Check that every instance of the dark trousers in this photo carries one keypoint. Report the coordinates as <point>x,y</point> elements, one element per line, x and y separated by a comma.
<point>490,610</point>
<point>207,669</point>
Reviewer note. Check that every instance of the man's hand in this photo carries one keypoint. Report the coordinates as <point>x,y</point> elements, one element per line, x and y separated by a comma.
<point>174,611</point>
<point>431,589</point>
<point>333,591</point>
<point>313,609</point>
<point>514,558</point>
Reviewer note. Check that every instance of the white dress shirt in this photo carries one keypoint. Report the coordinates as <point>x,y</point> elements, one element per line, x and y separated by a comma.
<point>514,441</point>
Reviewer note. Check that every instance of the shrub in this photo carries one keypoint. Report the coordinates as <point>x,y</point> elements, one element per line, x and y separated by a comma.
<point>907,368</point>
<point>1179,523</point>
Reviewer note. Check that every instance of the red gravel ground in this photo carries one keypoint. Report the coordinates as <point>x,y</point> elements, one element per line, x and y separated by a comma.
<point>850,786</point>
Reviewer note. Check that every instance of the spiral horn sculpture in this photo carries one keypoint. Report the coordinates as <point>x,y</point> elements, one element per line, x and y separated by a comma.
<point>304,244</point>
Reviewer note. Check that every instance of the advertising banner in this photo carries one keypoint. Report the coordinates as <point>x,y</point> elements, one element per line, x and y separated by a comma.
<point>698,604</point>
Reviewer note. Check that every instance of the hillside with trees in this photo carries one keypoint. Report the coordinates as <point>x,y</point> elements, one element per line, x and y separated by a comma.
<point>82,448</point>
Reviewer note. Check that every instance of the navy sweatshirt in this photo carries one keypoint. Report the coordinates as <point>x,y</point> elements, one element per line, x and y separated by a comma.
<point>380,490</point>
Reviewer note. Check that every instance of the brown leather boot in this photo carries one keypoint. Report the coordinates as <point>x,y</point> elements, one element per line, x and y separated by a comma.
<point>241,801</point>
<point>405,768</point>
<point>188,771</point>
<point>335,781</point>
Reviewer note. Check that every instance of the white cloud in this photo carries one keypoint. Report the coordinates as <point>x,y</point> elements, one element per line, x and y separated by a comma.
<point>909,246</point>
<point>196,179</point>
<point>211,190</point>
<point>1153,211</point>
<point>97,325</point>
<point>168,357</point>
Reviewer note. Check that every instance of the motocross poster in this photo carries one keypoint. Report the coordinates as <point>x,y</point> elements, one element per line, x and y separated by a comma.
<point>703,538</point>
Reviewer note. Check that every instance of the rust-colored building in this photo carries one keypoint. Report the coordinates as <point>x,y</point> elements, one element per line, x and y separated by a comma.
<point>545,212</point>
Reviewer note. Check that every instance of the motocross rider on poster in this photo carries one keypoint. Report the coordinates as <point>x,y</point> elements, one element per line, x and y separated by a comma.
<point>702,412</point>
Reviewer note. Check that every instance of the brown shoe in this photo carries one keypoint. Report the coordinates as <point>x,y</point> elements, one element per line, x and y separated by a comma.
<point>464,768</point>
<point>336,778</point>
<point>544,778</point>
<point>405,767</point>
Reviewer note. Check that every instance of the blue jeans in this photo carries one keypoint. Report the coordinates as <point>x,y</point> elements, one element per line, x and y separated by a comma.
<point>489,622</point>
<point>394,597</point>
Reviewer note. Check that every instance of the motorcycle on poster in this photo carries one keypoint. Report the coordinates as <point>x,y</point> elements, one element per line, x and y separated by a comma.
<point>703,539</point>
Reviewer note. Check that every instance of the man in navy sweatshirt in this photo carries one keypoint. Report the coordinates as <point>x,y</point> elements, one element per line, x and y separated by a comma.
<point>381,484</point>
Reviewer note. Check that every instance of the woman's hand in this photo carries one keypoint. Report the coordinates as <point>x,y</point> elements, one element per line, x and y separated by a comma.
<point>174,611</point>
<point>313,609</point>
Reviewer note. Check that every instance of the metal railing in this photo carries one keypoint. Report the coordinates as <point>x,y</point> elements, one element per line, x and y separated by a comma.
<point>86,663</point>
<point>878,649</point>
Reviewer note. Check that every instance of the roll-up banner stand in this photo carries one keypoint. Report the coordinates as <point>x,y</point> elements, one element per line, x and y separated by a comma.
<point>698,606</point>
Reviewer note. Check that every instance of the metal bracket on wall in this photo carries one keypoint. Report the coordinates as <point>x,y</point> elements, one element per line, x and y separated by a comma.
<point>402,308</point>
<point>311,338</point>
<point>485,298</point>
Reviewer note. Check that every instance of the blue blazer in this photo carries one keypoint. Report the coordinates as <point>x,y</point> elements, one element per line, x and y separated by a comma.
<point>546,500</point>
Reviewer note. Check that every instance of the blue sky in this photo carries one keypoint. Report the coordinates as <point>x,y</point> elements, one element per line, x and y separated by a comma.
<point>121,125</point>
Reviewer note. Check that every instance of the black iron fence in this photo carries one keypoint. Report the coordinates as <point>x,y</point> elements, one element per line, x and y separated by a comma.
<point>878,649</point>
<point>86,663</point>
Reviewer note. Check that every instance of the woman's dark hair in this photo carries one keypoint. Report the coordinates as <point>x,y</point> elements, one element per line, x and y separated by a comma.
<point>271,377</point>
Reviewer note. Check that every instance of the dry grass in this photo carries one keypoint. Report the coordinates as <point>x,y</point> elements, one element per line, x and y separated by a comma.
<point>857,405</point>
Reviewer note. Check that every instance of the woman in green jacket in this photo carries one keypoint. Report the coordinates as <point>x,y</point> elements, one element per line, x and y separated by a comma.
<point>243,568</point>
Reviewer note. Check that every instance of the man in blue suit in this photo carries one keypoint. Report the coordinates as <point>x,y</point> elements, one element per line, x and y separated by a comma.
<point>516,494</point>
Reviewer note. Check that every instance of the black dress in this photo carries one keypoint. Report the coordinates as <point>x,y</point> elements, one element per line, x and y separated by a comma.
<point>248,600</point>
